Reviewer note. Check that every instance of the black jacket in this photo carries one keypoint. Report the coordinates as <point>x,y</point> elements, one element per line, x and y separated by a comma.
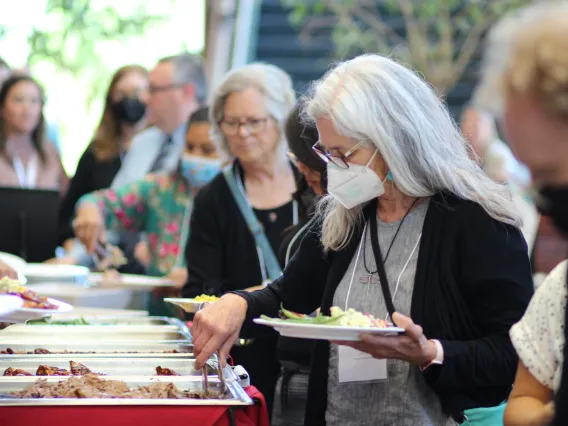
<point>473,282</point>
<point>221,251</point>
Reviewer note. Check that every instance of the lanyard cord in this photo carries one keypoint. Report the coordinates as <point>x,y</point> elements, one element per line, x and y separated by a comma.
<point>391,243</point>
<point>27,176</point>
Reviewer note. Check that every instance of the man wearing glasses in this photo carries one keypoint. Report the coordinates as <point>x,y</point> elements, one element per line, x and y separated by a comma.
<point>177,89</point>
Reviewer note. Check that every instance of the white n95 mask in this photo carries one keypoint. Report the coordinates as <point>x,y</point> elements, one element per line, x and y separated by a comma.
<point>355,185</point>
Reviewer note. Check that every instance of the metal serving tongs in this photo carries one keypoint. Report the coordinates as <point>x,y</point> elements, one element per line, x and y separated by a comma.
<point>215,363</point>
<point>220,372</point>
<point>205,381</point>
<point>100,254</point>
<point>107,256</point>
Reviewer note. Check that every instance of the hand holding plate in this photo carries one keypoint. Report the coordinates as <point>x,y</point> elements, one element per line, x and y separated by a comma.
<point>412,347</point>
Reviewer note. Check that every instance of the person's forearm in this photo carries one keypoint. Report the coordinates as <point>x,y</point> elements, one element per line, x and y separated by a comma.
<point>259,302</point>
<point>525,411</point>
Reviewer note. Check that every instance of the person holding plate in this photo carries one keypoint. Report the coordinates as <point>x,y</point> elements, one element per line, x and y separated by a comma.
<point>239,219</point>
<point>413,231</point>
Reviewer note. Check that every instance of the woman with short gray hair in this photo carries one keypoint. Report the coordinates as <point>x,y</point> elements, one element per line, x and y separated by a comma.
<point>239,219</point>
<point>412,230</point>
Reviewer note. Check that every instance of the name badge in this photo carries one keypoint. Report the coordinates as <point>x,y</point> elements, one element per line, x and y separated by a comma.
<point>357,366</point>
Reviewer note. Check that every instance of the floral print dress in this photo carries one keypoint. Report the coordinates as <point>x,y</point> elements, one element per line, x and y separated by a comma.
<point>159,206</point>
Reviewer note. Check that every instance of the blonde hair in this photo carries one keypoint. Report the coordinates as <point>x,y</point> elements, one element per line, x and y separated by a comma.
<point>272,82</point>
<point>374,99</point>
<point>527,53</point>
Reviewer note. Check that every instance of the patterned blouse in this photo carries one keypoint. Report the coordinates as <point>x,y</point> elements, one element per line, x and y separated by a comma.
<point>156,206</point>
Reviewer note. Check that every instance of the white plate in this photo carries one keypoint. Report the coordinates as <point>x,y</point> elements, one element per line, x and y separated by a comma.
<point>325,332</point>
<point>40,272</point>
<point>9,303</point>
<point>16,263</point>
<point>24,314</point>
<point>188,305</point>
<point>142,282</point>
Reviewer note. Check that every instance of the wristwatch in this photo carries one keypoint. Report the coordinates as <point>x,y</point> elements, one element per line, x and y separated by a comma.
<point>439,360</point>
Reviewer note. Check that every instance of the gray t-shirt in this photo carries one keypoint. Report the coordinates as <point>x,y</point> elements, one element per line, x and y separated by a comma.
<point>404,398</point>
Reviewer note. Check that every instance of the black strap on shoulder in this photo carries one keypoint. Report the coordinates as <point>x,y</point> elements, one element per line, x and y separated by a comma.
<point>380,264</point>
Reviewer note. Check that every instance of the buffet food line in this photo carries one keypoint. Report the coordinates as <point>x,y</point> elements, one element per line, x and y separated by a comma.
<point>107,370</point>
<point>117,370</point>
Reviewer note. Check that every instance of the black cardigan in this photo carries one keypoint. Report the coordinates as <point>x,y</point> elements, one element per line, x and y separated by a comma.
<point>473,282</point>
<point>221,251</point>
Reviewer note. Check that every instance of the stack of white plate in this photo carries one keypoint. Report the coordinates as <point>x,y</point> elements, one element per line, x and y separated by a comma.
<point>43,272</point>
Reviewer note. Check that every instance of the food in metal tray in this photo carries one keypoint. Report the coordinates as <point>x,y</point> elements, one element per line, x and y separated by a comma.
<point>38,351</point>
<point>78,369</point>
<point>31,299</point>
<point>76,321</point>
<point>91,386</point>
<point>166,372</point>
<point>339,317</point>
<point>13,372</point>
<point>45,370</point>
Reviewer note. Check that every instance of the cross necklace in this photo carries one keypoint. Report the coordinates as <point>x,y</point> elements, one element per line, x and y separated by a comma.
<point>369,277</point>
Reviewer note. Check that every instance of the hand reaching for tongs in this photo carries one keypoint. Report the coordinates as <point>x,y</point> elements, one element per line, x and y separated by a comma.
<point>88,226</point>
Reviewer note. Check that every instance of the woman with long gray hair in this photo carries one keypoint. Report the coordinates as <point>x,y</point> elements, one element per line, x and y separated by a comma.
<point>413,229</point>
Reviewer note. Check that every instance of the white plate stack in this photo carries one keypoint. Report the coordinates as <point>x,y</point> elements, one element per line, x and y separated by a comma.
<point>43,272</point>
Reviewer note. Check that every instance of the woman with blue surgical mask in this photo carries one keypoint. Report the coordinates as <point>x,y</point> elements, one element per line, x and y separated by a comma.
<point>159,205</point>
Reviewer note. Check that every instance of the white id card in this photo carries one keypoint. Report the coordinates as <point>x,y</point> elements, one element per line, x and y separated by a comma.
<point>357,366</point>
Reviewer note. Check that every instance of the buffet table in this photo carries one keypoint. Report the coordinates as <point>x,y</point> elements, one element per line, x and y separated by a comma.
<point>137,352</point>
<point>254,415</point>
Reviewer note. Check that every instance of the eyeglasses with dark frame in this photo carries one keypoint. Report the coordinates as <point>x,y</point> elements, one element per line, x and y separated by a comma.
<point>156,89</point>
<point>253,126</point>
<point>326,156</point>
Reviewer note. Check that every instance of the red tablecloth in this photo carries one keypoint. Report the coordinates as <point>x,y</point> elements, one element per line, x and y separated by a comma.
<point>255,415</point>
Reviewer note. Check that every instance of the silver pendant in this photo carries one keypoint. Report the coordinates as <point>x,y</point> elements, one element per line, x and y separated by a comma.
<point>368,279</point>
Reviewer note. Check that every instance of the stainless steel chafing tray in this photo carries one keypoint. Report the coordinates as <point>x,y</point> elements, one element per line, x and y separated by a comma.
<point>109,366</point>
<point>101,334</point>
<point>235,394</point>
<point>97,348</point>
<point>109,320</point>
<point>106,332</point>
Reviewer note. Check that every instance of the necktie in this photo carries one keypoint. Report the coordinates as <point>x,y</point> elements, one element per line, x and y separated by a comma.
<point>160,160</point>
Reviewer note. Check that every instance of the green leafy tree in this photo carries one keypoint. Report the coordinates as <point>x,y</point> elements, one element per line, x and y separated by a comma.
<point>72,33</point>
<point>436,37</point>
